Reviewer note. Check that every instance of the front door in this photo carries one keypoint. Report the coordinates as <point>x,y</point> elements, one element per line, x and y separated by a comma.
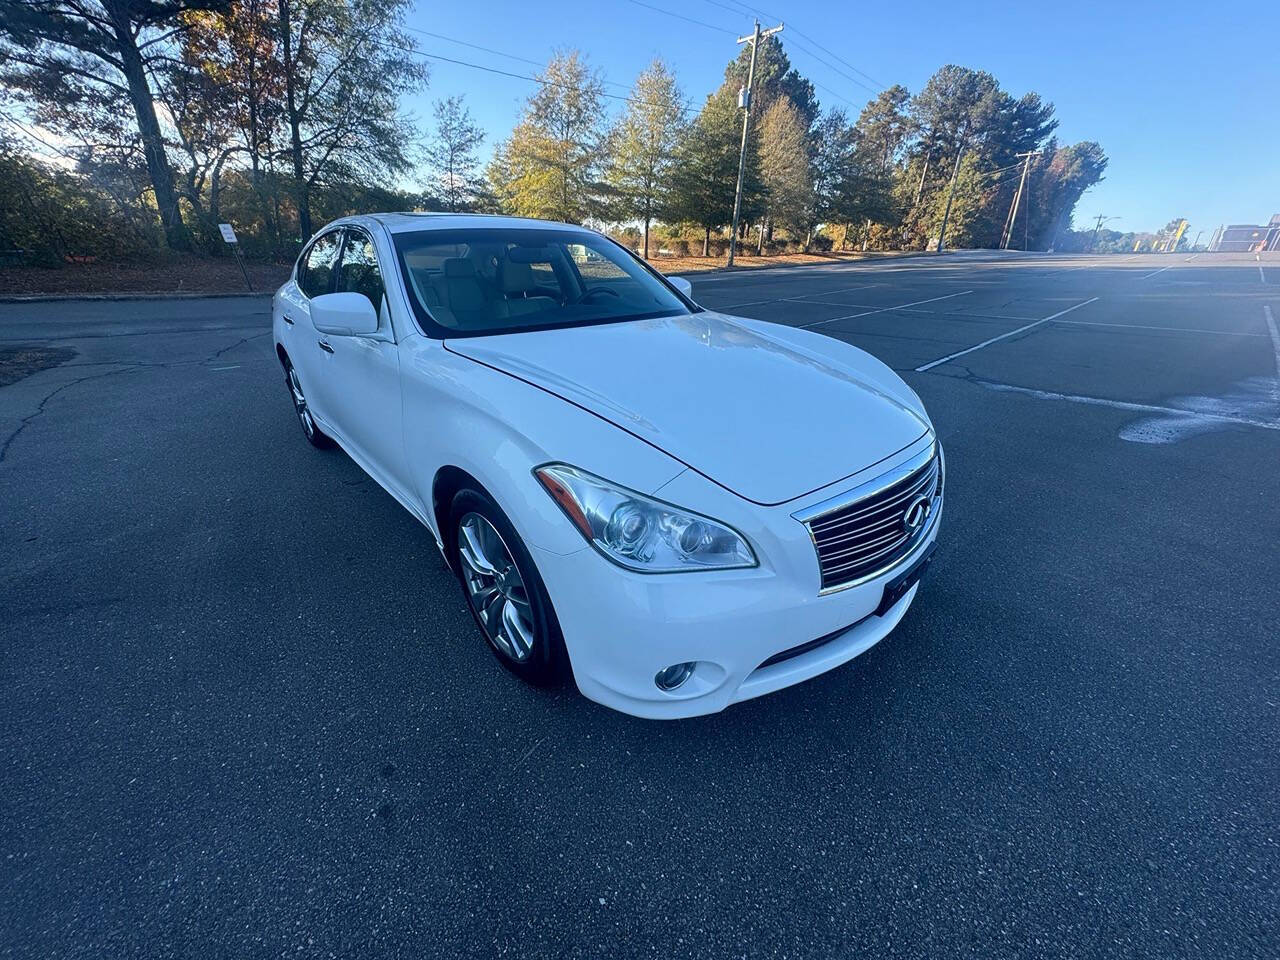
<point>363,389</point>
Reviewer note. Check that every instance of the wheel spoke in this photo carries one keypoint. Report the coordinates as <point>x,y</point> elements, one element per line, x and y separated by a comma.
<point>495,588</point>
<point>470,545</point>
<point>491,614</point>
<point>519,632</point>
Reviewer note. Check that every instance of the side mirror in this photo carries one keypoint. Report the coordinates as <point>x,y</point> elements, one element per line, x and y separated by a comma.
<point>344,315</point>
<point>683,285</point>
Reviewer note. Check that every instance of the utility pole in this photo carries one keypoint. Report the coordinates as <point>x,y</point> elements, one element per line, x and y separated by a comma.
<point>1017,198</point>
<point>754,40</point>
<point>1102,218</point>
<point>946,213</point>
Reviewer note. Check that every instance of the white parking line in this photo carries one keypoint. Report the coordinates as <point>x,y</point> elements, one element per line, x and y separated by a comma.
<point>1127,405</point>
<point>1154,272</point>
<point>1261,274</point>
<point>897,306</point>
<point>803,299</point>
<point>1003,336</point>
<point>1150,326</point>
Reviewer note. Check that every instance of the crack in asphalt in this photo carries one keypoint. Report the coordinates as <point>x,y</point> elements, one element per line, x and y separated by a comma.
<point>26,421</point>
<point>125,367</point>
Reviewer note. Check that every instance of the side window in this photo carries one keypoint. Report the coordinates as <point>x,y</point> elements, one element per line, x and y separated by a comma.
<point>315,272</point>
<point>359,272</point>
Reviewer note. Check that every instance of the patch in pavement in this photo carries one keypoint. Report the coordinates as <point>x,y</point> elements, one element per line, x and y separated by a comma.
<point>1256,403</point>
<point>18,363</point>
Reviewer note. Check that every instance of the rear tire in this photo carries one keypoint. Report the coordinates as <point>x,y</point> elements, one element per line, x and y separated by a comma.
<point>315,436</point>
<point>504,590</point>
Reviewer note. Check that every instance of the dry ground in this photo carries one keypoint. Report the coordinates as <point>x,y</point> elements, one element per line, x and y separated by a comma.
<point>172,275</point>
<point>222,275</point>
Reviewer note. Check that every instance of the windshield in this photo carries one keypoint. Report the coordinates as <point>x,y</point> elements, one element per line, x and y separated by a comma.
<point>467,283</point>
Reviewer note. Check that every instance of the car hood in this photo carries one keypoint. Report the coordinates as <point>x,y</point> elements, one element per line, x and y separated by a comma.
<point>740,401</point>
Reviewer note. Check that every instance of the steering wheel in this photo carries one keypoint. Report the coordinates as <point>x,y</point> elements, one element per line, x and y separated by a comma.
<point>588,294</point>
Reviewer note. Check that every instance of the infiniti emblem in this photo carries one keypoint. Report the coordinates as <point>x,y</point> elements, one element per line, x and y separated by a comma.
<point>916,514</point>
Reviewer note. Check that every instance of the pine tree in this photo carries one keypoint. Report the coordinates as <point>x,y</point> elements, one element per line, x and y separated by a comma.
<point>642,147</point>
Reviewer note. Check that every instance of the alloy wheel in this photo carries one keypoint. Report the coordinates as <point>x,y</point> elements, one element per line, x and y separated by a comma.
<point>495,588</point>
<point>300,404</point>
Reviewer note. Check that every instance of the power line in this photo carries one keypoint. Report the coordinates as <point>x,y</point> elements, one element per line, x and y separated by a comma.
<point>798,45</point>
<point>498,53</point>
<point>801,33</point>
<point>504,73</point>
<point>681,16</point>
<point>474,46</point>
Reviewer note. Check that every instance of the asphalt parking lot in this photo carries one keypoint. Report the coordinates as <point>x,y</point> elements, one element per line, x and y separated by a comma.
<point>245,711</point>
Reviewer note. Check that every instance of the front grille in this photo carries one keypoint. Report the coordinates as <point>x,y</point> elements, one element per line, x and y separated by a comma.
<point>859,540</point>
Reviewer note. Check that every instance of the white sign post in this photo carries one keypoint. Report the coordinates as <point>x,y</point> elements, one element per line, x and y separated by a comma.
<point>229,235</point>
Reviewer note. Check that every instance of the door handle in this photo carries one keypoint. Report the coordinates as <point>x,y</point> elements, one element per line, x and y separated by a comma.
<point>325,346</point>
<point>287,319</point>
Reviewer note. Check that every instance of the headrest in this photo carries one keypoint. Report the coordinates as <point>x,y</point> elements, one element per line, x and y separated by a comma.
<point>516,277</point>
<point>459,267</point>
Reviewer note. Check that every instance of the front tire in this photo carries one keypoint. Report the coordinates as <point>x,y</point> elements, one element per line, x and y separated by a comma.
<point>315,436</point>
<point>504,591</point>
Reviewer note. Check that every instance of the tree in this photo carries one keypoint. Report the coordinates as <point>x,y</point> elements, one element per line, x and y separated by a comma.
<point>706,168</point>
<point>452,154</point>
<point>884,125</point>
<point>233,57</point>
<point>881,130</point>
<point>1054,188</point>
<point>642,147</point>
<point>87,61</point>
<point>973,195</point>
<point>775,77</point>
<point>832,154</point>
<point>784,167</point>
<point>550,166</point>
<point>346,66</point>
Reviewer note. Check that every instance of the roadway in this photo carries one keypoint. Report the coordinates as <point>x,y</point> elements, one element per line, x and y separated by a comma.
<point>246,711</point>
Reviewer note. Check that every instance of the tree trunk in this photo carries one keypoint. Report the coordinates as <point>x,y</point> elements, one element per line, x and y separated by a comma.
<point>923,173</point>
<point>301,187</point>
<point>808,239</point>
<point>646,237</point>
<point>706,242</point>
<point>158,170</point>
<point>760,241</point>
<point>866,237</point>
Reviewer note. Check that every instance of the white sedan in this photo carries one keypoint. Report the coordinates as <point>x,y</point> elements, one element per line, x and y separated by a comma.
<point>681,508</point>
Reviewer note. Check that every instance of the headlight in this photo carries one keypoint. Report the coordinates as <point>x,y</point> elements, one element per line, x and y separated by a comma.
<point>638,532</point>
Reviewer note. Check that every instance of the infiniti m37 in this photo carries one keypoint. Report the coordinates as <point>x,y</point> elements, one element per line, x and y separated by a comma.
<point>677,508</point>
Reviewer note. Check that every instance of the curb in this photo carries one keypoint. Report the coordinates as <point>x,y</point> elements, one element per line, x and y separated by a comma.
<point>736,271</point>
<point>176,295</point>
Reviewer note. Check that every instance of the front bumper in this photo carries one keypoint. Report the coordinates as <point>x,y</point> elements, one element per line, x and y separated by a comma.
<point>621,628</point>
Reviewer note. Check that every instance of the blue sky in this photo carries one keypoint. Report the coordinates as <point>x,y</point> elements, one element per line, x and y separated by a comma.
<point>1181,95</point>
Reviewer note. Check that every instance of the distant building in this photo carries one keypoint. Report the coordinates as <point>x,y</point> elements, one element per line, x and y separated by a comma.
<point>1247,238</point>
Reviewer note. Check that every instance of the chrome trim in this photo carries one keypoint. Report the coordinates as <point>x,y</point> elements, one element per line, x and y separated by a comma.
<point>870,489</point>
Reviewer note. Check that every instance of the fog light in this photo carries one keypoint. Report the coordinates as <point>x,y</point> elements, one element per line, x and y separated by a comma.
<point>671,677</point>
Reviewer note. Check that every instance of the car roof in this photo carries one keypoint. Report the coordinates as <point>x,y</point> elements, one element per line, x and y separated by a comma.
<point>406,222</point>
